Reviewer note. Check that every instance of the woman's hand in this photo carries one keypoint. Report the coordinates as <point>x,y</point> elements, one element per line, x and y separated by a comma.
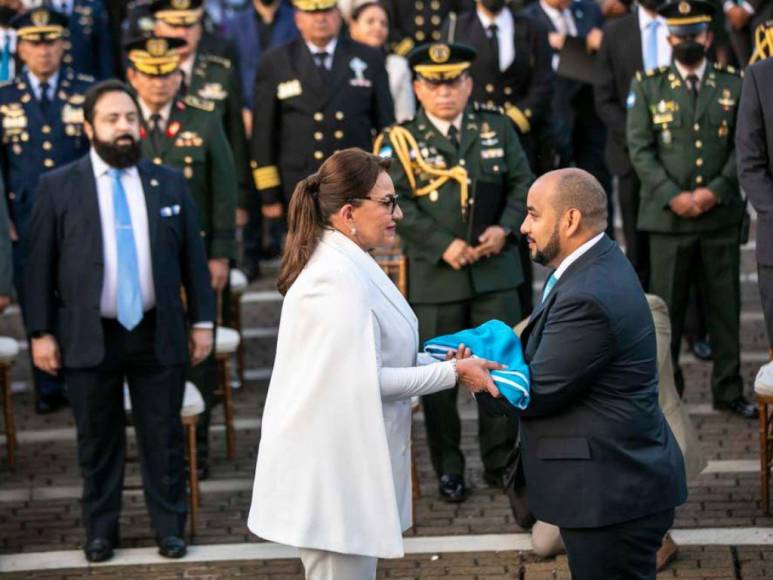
<point>474,374</point>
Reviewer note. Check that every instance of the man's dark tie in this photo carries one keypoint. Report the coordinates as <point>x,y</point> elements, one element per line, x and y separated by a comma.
<point>320,58</point>
<point>692,88</point>
<point>45,103</point>
<point>453,136</point>
<point>155,130</point>
<point>493,40</point>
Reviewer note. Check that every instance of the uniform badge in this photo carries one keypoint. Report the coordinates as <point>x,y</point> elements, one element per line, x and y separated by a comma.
<point>289,89</point>
<point>189,139</point>
<point>213,92</point>
<point>72,115</point>
<point>488,137</point>
<point>358,66</point>
<point>723,130</point>
<point>726,101</point>
<point>14,119</point>
<point>666,137</point>
<point>496,153</point>
<point>77,100</point>
<point>173,129</point>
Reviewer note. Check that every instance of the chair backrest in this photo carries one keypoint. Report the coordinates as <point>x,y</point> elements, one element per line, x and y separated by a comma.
<point>394,264</point>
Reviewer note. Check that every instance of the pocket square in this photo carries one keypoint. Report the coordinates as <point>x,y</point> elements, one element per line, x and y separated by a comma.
<point>170,210</point>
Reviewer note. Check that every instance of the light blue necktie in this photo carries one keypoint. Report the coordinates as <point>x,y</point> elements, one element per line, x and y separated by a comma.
<point>128,292</point>
<point>5,59</point>
<point>651,54</point>
<point>549,286</point>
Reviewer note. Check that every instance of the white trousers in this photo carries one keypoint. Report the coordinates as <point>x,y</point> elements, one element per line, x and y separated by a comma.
<point>322,565</point>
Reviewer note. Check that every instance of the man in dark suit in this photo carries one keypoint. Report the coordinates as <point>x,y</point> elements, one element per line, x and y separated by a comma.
<point>115,241</point>
<point>578,132</point>
<point>599,458</point>
<point>754,155</point>
<point>89,48</point>
<point>318,94</point>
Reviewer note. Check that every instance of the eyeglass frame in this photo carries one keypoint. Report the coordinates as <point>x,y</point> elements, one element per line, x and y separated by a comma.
<point>390,201</point>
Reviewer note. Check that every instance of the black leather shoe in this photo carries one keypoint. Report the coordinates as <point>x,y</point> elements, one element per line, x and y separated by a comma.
<point>493,477</point>
<point>702,350</point>
<point>98,550</point>
<point>452,488</point>
<point>172,547</point>
<point>47,404</point>
<point>740,407</point>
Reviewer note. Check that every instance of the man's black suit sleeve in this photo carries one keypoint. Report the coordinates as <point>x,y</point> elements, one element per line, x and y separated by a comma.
<point>383,107</point>
<point>753,158</point>
<point>264,146</point>
<point>41,269</point>
<point>609,104</point>
<point>195,272</point>
<point>540,94</point>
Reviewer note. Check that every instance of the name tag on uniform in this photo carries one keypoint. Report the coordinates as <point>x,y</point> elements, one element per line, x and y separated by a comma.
<point>289,89</point>
<point>492,153</point>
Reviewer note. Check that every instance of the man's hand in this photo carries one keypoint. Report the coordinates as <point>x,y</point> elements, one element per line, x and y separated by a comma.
<point>272,211</point>
<point>458,254</point>
<point>242,217</point>
<point>12,232</point>
<point>461,353</point>
<point>5,301</point>
<point>45,354</point>
<point>200,344</point>
<point>705,199</point>
<point>474,374</point>
<point>738,17</point>
<point>491,242</point>
<point>218,273</point>
<point>593,40</point>
<point>556,40</point>
<point>684,205</point>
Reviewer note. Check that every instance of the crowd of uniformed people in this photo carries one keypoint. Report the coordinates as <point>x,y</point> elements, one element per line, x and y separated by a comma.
<point>471,99</point>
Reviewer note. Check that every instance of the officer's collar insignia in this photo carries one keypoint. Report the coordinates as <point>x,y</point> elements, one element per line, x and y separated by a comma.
<point>439,53</point>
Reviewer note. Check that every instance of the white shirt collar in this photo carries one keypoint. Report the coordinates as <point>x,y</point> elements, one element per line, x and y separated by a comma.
<point>35,83</point>
<point>574,256</point>
<point>645,18</point>
<point>101,167</point>
<point>186,67</point>
<point>553,13</point>
<point>330,47</point>
<point>501,20</point>
<point>165,112</point>
<point>699,72</point>
<point>444,126</point>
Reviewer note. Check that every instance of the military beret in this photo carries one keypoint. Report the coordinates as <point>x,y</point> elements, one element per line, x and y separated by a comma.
<point>440,62</point>
<point>40,25</point>
<point>314,5</point>
<point>154,56</point>
<point>685,17</point>
<point>178,12</point>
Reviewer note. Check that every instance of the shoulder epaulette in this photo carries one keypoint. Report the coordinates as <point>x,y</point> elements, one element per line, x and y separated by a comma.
<point>488,108</point>
<point>656,71</point>
<point>728,69</point>
<point>221,60</point>
<point>85,78</point>
<point>199,103</point>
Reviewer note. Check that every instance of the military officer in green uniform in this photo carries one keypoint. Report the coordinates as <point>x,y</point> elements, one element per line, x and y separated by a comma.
<point>680,133</point>
<point>210,74</point>
<point>462,178</point>
<point>186,133</point>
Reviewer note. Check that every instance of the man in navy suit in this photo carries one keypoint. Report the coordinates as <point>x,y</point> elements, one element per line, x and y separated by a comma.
<point>89,48</point>
<point>579,133</point>
<point>599,458</point>
<point>116,239</point>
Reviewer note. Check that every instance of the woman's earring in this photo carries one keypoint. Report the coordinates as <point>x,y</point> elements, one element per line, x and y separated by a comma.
<point>354,231</point>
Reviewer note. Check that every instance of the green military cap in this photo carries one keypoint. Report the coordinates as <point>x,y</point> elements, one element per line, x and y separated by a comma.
<point>40,25</point>
<point>154,56</point>
<point>184,13</point>
<point>686,17</point>
<point>314,5</point>
<point>439,62</point>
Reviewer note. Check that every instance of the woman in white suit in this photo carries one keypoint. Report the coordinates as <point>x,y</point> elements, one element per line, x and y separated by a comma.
<point>333,470</point>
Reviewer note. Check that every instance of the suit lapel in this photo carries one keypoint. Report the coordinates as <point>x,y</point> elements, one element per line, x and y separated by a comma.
<point>340,69</point>
<point>470,132</point>
<point>89,199</point>
<point>150,188</point>
<point>307,69</point>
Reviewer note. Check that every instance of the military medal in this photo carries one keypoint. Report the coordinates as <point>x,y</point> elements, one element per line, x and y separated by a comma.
<point>433,196</point>
<point>726,102</point>
<point>666,137</point>
<point>724,130</point>
<point>213,92</point>
<point>173,128</point>
<point>188,172</point>
<point>358,66</point>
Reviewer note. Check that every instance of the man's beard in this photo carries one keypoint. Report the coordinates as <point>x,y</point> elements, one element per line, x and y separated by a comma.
<point>550,251</point>
<point>119,156</point>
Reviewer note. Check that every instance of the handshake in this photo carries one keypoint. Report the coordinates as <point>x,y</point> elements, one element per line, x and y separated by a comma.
<point>473,373</point>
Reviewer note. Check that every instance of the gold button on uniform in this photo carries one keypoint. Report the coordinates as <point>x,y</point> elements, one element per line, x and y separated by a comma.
<point>699,179</point>
<point>318,117</point>
<point>435,20</point>
<point>433,196</point>
<point>699,144</point>
<point>489,88</point>
<point>435,35</point>
<point>696,127</point>
<point>47,145</point>
<point>339,115</point>
<point>188,159</point>
<point>420,36</point>
<point>318,136</point>
<point>462,162</point>
<point>339,134</point>
<point>46,129</point>
<point>508,91</point>
<point>157,161</point>
<point>48,162</point>
<point>435,5</point>
<point>699,162</point>
<point>419,5</point>
<point>419,20</point>
<point>318,155</point>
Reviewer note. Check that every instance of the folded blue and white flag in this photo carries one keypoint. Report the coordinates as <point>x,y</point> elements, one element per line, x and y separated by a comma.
<point>497,342</point>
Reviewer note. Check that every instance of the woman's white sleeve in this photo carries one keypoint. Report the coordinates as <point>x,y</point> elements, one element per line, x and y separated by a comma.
<point>404,382</point>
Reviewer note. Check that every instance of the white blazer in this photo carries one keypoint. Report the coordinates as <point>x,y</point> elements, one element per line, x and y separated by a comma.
<point>333,468</point>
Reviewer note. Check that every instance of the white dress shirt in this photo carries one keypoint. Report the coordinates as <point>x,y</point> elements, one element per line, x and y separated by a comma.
<point>664,48</point>
<point>35,83</point>
<point>444,126</point>
<point>505,34</point>
<point>165,113</point>
<point>330,49</point>
<point>574,256</point>
<point>699,72</point>
<point>562,20</point>
<point>187,67</point>
<point>135,198</point>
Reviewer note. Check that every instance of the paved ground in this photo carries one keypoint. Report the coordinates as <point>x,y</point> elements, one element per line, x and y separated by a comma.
<point>722,530</point>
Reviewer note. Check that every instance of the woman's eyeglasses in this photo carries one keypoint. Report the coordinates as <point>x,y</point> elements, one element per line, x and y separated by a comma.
<point>388,201</point>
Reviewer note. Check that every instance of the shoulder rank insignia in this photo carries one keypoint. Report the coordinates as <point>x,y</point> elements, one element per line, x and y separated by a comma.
<point>221,60</point>
<point>85,78</point>
<point>199,103</point>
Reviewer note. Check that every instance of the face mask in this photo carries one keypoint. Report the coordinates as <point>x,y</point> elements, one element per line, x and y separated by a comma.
<point>493,5</point>
<point>689,53</point>
<point>650,4</point>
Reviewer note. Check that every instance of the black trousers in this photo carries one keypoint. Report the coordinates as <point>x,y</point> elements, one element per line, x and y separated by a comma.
<point>96,395</point>
<point>636,241</point>
<point>625,551</point>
